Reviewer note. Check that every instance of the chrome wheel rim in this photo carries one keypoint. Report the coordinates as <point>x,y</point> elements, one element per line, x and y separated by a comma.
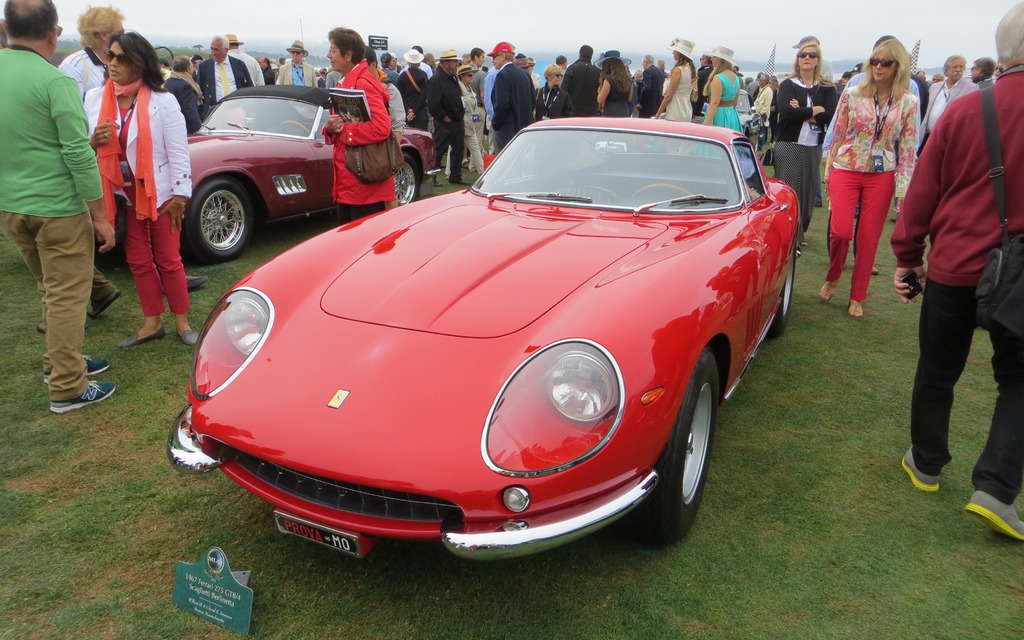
<point>405,184</point>
<point>222,220</point>
<point>697,443</point>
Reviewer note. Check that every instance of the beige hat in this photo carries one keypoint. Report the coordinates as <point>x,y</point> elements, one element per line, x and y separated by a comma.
<point>232,39</point>
<point>413,56</point>
<point>448,54</point>
<point>297,47</point>
<point>684,47</point>
<point>464,69</point>
<point>725,53</point>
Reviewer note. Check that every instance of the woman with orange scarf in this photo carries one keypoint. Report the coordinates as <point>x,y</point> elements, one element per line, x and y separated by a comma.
<point>139,135</point>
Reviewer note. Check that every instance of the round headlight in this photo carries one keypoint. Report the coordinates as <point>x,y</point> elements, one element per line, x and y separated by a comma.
<point>558,408</point>
<point>581,386</point>
<point>237,327</point>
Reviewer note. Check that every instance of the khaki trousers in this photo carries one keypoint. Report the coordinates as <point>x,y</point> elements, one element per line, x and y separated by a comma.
<point>59,253</point>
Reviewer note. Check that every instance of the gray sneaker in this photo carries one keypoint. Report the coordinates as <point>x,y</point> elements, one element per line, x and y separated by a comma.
<point>922,481</point>
<point>95,392</point>
<point>999,516</point>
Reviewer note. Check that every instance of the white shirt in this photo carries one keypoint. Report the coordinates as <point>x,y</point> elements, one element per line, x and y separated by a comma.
<point>87,74</point>
<point>254,68</point>
<point>216,78</point>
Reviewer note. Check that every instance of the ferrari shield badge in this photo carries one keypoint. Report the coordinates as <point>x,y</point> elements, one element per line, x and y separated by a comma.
<point>338,399</point>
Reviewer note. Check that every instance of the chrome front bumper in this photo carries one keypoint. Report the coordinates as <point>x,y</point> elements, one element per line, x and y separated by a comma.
<point>184,450</point>
<point>520,538</point>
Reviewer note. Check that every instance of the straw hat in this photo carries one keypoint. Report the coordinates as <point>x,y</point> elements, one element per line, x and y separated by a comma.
<point>297,48</point>
<point>464,69</point>
<point>725,53</point>
<point>233,39</point>
<point>684,47</point>
<point>413,56</point>
<point>448,54</point>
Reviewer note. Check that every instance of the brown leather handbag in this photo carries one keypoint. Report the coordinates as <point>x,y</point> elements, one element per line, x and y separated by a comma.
<point>374,162</point>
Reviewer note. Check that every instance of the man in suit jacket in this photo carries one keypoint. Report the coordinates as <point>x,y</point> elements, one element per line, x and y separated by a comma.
<point>582,80</point>
<point>220,74</point>
<point>941,94</point>
<point>512,96</point>
<point>651,88</point>
<point>297,71</point>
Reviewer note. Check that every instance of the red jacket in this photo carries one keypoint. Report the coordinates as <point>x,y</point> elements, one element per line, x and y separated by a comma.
<point>950,199</point>
<point>347,188</point>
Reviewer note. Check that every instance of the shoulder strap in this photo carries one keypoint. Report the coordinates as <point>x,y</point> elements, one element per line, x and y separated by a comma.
<point>413,81</point>
<point>995,155</point>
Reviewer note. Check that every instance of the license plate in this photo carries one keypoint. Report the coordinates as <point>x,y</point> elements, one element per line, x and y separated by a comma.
<point>348,543</point>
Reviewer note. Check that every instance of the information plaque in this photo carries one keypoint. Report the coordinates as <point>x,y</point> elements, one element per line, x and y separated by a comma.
<point>209,589</point>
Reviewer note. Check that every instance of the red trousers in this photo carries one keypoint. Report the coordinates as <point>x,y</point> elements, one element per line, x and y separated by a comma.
<point>154,257</point>
<point>874,193</point>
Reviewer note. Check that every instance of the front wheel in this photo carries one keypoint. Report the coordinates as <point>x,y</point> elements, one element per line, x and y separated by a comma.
<point>407,181</point>
<point>667,514</point>
<point>219,221</point>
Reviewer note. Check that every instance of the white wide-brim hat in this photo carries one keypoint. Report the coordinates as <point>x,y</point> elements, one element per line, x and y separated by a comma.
<point>413,56</point>
<point>684,47</point>
<point>725,53</point>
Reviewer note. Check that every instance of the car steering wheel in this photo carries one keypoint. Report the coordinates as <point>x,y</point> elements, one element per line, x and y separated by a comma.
<point>662,185</point>
<point>296,124</point>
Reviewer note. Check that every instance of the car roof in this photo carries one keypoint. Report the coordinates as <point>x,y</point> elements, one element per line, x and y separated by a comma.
<point>720,134</point>
<point>312,95</point>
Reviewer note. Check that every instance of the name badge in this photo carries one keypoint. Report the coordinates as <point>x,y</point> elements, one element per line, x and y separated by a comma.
<point>815,127</point>
<point>126,172</point>
<point>476,117</point>
<point>876,159</point>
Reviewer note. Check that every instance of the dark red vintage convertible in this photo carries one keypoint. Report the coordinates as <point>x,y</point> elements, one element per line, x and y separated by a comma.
<point>260,156</point>
<point>511,367</point>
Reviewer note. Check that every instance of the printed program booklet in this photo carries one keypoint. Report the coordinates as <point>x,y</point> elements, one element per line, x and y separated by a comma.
<point>350,104</point>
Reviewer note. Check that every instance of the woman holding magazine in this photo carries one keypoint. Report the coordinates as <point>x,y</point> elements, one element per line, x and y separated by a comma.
<point>357,199</point>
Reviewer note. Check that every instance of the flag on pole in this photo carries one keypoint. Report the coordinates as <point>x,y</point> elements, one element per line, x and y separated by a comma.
<point>913,57</point>
<point>769,68</point>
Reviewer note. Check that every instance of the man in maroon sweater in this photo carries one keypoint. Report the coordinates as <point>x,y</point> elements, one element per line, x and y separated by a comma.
<point>950,202</point>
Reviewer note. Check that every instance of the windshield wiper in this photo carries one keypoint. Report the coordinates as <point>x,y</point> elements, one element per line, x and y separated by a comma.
<point>240,126</point>
<point>697,198</point>
<point>541,196</point>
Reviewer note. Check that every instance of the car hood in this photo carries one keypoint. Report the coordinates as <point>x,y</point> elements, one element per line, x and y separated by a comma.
<point>455,272</point>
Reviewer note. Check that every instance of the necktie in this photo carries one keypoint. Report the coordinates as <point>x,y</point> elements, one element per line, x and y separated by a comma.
<point>225,85</point>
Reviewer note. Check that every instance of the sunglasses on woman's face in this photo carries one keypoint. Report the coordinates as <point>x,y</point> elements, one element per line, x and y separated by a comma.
<point>881,62</point>
<point>122,58</point>
<point>807,54</point>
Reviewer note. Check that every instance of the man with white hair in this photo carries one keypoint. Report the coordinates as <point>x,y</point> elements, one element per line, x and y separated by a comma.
<point>220,74</point>
<point>651,88</point>
<point>951,205</point>
<point>941,94</point>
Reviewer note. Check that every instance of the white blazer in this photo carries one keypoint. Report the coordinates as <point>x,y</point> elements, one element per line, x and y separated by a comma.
<point>172,167</point>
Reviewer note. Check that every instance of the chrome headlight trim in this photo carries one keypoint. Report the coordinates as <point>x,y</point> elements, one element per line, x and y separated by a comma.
<point>572,463</point>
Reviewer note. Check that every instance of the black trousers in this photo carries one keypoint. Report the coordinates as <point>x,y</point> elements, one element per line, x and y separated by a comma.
<point>450,136</point>
<point>947,327</point>
<point>349,212</point>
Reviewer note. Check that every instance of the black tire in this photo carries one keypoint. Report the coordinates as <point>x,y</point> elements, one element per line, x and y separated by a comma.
<point>407,180</point>
<point>778,326</point>
<point>667,514</point>
<point>219,221</point>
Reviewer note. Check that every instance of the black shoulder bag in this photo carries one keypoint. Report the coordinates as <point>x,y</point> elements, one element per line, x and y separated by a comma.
<point>1000,291</point>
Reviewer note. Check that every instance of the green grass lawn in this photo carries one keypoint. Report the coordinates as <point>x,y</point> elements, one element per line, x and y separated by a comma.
<point>809,527</point>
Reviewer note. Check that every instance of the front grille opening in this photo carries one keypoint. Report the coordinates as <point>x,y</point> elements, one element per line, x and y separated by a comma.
<point>346,496</point>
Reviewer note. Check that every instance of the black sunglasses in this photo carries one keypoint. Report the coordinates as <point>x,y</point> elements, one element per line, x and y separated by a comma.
<point>807,54</point>
<point>881,62</point>
<point>122,58</point>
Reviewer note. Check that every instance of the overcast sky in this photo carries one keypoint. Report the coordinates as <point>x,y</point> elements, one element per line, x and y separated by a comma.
<point>749,27</point>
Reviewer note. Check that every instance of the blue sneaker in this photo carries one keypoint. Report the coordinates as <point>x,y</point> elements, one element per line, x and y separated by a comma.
<point>92,367</point>
<point>95,392</point>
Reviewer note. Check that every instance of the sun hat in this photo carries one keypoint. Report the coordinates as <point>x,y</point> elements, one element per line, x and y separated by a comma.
<point>608,55</point>
<point>448,54</point>
<point>464,69</point>
<point>684,47</point>
<point>501,47</point>
<point>807,40</point>
<point>297,47</point>
<point>233,39</point>
<point>725,53</point>
<point>413,56</point>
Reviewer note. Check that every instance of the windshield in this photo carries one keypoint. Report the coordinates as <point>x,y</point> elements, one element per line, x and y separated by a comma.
<point>265,115</point>
<point>613,169</point>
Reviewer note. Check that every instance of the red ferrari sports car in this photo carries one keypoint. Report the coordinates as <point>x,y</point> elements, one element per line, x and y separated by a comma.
<point>511,367</point>
<point>261,155</point>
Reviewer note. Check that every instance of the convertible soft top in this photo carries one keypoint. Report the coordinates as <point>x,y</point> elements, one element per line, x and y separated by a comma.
<point>312,95</point>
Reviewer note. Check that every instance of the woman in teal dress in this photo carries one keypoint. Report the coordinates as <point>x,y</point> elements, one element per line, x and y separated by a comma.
<point>722,90</point>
